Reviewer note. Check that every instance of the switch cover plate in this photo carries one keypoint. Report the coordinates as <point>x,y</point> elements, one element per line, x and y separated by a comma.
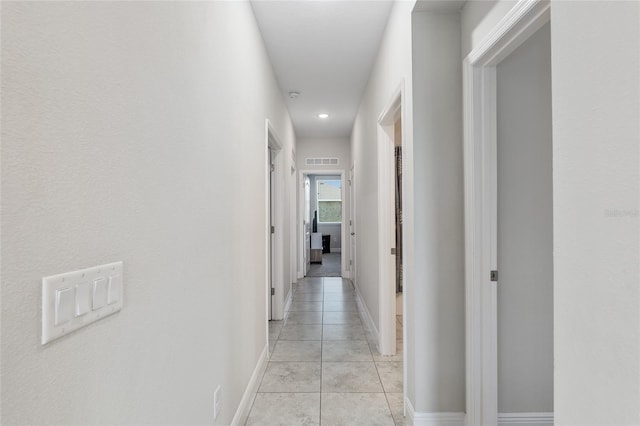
<point>68,300</point>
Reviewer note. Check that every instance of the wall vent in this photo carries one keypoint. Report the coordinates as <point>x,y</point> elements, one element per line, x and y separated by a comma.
<point>321,161</point>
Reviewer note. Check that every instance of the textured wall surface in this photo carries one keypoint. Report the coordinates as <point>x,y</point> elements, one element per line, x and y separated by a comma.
<point>391,71</point>
<point>135,132</point>
<point>439,286</point>
<point>595,51</point>
<point>478,18</point>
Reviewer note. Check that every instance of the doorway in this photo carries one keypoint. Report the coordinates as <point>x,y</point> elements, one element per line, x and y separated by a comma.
<point>399,270</point>
<point>390,226</point>
<point>322,231</point>
<point>524,230</point>
<point>508,222</point>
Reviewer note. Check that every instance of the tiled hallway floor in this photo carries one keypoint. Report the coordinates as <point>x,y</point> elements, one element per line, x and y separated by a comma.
<point>324,369</point>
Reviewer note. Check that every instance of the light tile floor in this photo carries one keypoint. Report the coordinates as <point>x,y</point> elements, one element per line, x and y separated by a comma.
<point>324,368</point>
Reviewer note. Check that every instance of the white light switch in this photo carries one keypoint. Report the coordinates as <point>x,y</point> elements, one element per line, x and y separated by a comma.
<point>76,299</point>
<point>64,305</point>
<point>99,293</point>
<point>83,298</point>
<point>113,290</point>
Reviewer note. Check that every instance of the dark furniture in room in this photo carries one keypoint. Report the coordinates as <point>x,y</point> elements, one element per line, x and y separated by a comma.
<point>326,244</point>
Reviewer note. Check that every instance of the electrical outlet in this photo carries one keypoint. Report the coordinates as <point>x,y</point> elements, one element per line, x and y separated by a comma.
<point>216,403</point>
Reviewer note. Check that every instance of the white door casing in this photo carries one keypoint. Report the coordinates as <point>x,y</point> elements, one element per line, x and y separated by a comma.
<point>293,239</point>
<point>387,223</point>
<point>274,206</point>
<point>480,188</point>
<point>306,225</point>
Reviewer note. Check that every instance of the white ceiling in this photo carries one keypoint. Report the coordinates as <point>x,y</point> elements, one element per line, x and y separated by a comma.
<point>325,51</point>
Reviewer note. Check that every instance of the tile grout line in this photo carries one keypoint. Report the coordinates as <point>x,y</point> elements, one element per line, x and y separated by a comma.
<point>324,294</point>
<point>321,350</point>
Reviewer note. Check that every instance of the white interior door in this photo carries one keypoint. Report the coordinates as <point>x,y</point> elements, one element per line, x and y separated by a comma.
<point>352,225</point>
<point>271,228</point>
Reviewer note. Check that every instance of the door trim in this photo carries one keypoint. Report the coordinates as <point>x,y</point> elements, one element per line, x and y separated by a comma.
<point>352,224</point>
<point>272,141</point>
<point>480,195</point>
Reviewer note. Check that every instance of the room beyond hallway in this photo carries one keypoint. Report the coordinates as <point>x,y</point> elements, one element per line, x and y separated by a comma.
<point>330,266</point>
<point>324,366</point>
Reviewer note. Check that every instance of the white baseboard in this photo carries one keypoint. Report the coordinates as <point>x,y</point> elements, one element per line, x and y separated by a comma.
<point>287,303</point>
<point>242,413</point>
<point>433,418</point>
<point>365,315</point>
<point>528,419</point>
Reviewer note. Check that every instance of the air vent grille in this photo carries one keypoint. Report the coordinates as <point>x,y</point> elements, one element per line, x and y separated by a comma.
<point>321,161</point>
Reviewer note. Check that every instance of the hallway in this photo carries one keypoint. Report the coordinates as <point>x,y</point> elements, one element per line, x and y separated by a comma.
<point>324,366</point>
<point>172,139</point>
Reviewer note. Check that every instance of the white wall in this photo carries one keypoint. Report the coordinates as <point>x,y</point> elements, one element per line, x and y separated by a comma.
<point>596,139</point>
<point>322,148</point>
<point>478,18</point>
<point>135,132</point>
<point>525,228</point>
<point>438,295</point>
<point>391,70</point>
<point>339,148</point>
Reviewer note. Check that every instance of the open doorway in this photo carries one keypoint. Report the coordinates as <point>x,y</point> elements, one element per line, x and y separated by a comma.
<point>390,197</point>
<point>322,224</point>
<point>399,272</point>
<point>391,339</point>
<point>508,221</point>
<point>524,232</point>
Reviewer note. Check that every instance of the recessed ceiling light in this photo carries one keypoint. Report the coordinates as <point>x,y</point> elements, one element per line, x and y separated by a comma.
<point>323,115</point>
<point>294,94</point>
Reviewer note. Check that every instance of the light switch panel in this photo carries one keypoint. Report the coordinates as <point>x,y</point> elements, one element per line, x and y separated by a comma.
<point>75,299</point>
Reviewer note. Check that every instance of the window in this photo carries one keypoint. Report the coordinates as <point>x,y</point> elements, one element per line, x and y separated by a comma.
<point>329,201</point>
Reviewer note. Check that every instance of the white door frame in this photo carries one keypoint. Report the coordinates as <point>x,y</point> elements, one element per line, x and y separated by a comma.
<point>343,228</point>
<point>480,192</point>
<point>293,237</point>
<point>305,246</point>
<point>276,258</point>
<point>386,221</point>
